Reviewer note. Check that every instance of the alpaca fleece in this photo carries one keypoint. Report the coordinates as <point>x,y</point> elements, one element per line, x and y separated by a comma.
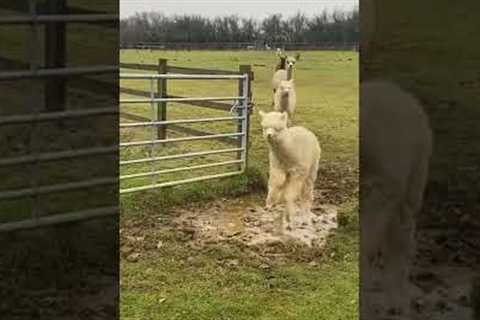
<point>395,153</point>
<point>285,98</point>
<point>294,155</point>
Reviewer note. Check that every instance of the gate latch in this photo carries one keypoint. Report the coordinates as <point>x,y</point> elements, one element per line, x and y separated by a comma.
<point>250,106</point>
<point>236,106</point>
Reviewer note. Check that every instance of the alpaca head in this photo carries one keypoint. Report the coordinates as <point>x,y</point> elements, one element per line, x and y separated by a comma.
<point>286,62</point>
<point>285,87</point>
<point>273,123</point>
<point>290,62</point>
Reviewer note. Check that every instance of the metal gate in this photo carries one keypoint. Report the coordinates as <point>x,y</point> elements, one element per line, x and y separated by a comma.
<point>54,37</point>
<point>238,113</point>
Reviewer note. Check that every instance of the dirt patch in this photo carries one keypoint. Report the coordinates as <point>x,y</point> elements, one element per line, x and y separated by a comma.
<point>337,184</point>
<point>253,226</point>
<point>445,268</point>
<point>242,223</point>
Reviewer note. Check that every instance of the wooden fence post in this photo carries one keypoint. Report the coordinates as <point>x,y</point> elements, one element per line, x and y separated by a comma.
<point>248,70</point>
<point>162,106</point>
<point>55,52</point>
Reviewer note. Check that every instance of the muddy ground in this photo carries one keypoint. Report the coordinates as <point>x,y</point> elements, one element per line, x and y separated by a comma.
<point>239,222</point>
<point>63,272</point>
<point>244,222</point>
<point>444,273</point>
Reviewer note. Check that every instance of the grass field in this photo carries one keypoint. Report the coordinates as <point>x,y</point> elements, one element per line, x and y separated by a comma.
<point>177,282</point>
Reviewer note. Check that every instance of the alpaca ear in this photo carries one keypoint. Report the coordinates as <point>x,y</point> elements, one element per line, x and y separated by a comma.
<point>261,113</point>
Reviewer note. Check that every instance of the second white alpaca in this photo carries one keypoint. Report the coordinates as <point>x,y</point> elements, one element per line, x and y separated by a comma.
<point>294,155</point>
<point>285,98</point>
<point>284,71</point>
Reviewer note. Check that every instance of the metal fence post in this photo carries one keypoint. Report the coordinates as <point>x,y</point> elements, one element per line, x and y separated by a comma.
<point>162,93</point>
<point>245,69</point>
<point>55,51</point>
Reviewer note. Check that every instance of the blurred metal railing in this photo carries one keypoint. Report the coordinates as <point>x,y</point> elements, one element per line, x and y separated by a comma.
<point>34,158</point>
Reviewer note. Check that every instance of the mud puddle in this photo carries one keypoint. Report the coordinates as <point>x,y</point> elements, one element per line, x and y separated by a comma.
<point>251,225</point>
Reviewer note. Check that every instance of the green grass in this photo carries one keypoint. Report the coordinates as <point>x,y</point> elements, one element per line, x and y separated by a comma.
<point>177,282</point>
<point>293,291</point>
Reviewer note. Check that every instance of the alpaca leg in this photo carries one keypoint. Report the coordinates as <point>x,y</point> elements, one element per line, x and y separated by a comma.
<point>384,241</point>
<point>275,184</point>
<point>292,191</point>
<point>307,194</point>
<point>403,242</point>
<point>397,262</point>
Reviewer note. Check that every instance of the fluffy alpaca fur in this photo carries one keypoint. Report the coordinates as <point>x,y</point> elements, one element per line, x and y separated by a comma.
<point>395,153</point>
<point>294,154</point>
<point>283,70</point>
<point>282,64</point>
<point>285,98</point>
<point>279,76</point>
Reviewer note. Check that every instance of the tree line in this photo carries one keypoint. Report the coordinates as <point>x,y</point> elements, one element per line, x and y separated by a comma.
<point>333,27</point>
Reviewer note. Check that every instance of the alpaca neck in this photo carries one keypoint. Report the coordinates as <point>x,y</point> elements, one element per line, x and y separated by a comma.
<point>289,73</point>
<point>279,145</point>
<point>284,103</point>
<point>281,64</point>
<point>281,101</point>
<point>281,149</point>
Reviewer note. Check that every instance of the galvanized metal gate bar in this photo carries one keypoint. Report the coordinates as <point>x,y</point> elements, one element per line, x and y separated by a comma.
<point>181,156</point>
<point>146,124</point>
<point>180,99</point>
<point>47,18</point>
<point>241,104</point>
<point>34,158</point>
<point>18,119</point>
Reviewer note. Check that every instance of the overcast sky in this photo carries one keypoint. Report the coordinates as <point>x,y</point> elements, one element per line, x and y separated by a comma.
<point>244,8</point>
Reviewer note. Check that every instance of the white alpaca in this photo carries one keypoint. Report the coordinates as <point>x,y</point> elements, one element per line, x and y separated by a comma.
<point>395,152</point>
<point>283,70</point>
<point>294,154</point>
<point>285,98</point>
